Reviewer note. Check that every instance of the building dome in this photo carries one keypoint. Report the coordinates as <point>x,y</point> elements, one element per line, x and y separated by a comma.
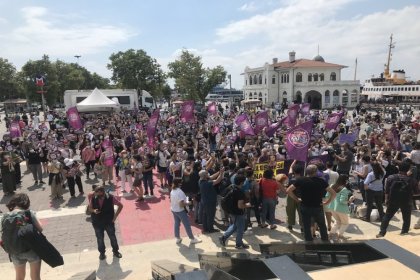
<point>319,58</point>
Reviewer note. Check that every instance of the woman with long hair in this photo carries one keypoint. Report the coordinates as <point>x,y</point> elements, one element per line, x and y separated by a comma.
<point>19,205</point>
<point>374,190</point>
<point>339,206</point>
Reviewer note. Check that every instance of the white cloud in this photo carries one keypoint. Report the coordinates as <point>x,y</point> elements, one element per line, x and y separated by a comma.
<point>44,32</point>
<point>301,25</point>
<point>248,7</point>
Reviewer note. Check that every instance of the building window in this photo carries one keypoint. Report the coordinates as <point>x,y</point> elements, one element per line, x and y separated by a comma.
<point>327,97</point>
<point>321,77</point>
<point>336,97</point>
<point>284,93</point>
<point>265,80</point>
<point>273,79</point>
<point>310,78</point>
<point>260,94</point>
<point>255,79</point>
<point>315,77</point>
<point>250,95</point>
<point>345,98</point>
<point>260,79</point>
<point>250,80</point>
<point>287,78</point>
<point>246,81</point>
<point>282,78</point>
<point>298,77</point>
<point>333,76</point>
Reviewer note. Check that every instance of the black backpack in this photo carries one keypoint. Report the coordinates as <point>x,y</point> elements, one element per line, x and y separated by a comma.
<point>400,189</point>
<point>227,202</point>
<point>11,223</point>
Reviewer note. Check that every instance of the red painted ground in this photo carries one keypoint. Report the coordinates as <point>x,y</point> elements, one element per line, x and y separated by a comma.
<point>149,220</point>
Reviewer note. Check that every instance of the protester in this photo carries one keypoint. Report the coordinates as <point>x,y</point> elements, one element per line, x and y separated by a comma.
<point>178,204</point>
<point>374,190</point>
<point>339,206</point>
<point>268,188</point>
<point>103,216</point>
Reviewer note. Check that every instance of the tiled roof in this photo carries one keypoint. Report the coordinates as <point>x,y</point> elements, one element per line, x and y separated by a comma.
<point>302,63</point>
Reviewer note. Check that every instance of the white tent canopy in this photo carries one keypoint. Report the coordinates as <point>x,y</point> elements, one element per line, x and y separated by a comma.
<point>96,101</point>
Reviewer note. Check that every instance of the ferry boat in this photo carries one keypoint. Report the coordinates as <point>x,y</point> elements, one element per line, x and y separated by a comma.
<point>391,86</point>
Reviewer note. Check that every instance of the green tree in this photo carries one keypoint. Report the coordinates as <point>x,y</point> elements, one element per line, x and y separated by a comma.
<point>192,80</point>
<point>10,86</point>
<point>136,69</point>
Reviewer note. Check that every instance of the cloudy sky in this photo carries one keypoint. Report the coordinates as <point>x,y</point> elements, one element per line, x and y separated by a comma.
<point>233,33</point>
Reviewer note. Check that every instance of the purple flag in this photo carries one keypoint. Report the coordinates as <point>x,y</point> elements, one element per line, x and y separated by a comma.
<point>14,130</point>
<point>244,124</point>
<point>73,118</point>
<point>261,121</point>
<point>151,126</point>
<point>318,159</point>
<point>333,120</point>
<point>297,141</point>
<point>292,114</point>
<point>212,108</point>
<point>187,111</point>
<point>396,144</point>
<point>349,138</point>
<point>271,130</point>
<point>305,109</point>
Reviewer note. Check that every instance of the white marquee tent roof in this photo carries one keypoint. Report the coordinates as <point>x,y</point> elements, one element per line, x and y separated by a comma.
<point>96,101</point>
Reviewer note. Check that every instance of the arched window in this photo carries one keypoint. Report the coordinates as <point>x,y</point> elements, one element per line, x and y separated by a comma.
<point>336,97</point>
<point>287,78</point>
<point>273,79</point>
<point>345,98</point>
<point>315,77</point>
<point>260,94</point>
<point>309,77</point>
<point>327,97</point>
<point>298,77</point>
<point>250,80</point>
<point>250,95</point>
<point>260,79</point>
<point>321,77</point>
<point>298,97</point>
<point>255,79</point>
<point>284,93</point>
<point>282,78</point>
<point>333,76</point>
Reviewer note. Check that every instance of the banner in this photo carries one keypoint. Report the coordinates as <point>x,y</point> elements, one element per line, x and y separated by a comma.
<point>333,120</point>
<point>261,121</point>
<point>14,130</point>
<point>212,109</point>
<point>349,138</point>
<point>292,114</point>
<point>297,141</point>
<point>151,126</point>
<point>396,144</point>
<point>74,119</point>
<point>305,109</point>
<point>261,167</point>
<point>244,124</point>
<point>187,111</point>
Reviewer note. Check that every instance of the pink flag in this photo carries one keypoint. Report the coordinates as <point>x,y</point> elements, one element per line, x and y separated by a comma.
<point>151,126</point>
<point>15,130</point>
<point>261,121</point>
<point>212,108</point>
<point>292,114</point>
<point>244,124</point>
<point>333,120</point>
<point>187,111</point>
<point>297,141</point>
<point>305,109</point>
<point>74,119</point>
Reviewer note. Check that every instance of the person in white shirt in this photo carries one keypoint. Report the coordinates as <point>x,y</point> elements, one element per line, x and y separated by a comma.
<point>163,157</point>
<point>178,203</point>
<point>349,123</point>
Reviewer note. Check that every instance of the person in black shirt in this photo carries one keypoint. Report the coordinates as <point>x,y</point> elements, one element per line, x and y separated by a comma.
<point>312,190</point>
<point>34,164</point>
<point>238,214</point>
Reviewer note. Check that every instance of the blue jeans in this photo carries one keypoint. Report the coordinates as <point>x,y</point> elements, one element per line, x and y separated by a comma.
<point>268,206</point>
<point>238,225</point>
<point>148,183</point>
<point>110,230</point>
<point>317,213</point>
<point>182,217</point>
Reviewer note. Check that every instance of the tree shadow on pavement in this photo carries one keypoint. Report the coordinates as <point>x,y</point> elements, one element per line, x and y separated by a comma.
<point>113,270</point>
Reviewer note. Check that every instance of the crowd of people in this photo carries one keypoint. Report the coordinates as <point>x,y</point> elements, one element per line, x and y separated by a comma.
<point>210,164</point>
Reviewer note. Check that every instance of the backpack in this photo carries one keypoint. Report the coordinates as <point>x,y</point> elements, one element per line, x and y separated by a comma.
<point>400,189</point>
<point>11,224</point>
<point>227,202</point>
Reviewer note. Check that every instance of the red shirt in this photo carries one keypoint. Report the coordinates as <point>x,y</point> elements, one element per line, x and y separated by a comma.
<point>268,188</point>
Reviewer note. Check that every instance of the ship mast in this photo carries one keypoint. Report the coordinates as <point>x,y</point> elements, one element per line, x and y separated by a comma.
<point>391,46</point>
